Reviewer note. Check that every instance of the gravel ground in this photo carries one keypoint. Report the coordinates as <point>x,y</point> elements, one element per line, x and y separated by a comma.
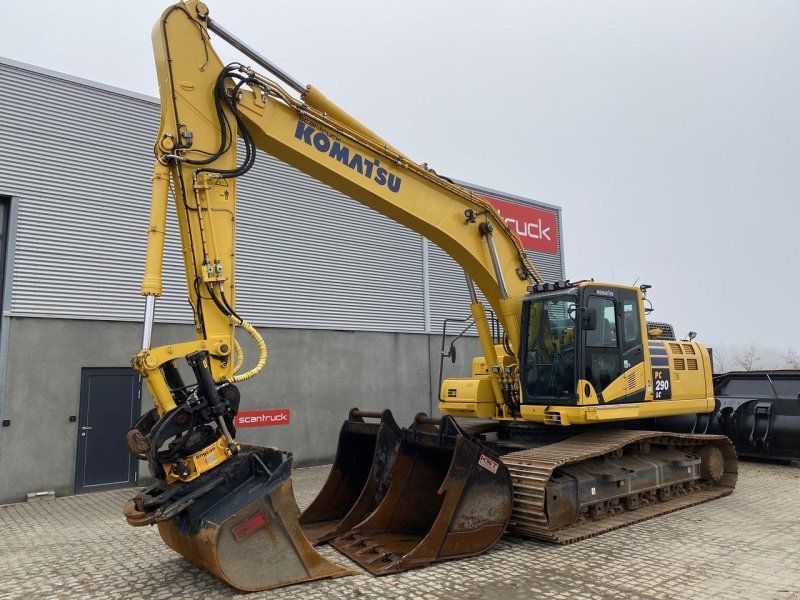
<point>746,545</point>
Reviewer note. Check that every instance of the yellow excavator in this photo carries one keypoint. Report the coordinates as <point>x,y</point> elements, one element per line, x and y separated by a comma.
<point>547,438</point>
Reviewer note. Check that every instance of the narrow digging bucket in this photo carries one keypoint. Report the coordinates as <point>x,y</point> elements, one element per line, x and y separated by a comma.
<point>239,523</point>
<point>358,479</point>
<point>450,497</point>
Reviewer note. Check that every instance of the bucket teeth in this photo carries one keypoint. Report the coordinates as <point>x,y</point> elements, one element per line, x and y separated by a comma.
<point>449,496</point>
<point>369,549</point>
<point>382,558</point>
<point>363,546</point>
<point>358,479</point>
<point>352,542</point>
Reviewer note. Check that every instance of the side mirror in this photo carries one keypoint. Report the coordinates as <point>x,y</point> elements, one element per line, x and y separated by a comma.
<point>452,353</point>
<point>589,318</point>
<point>655,332</point>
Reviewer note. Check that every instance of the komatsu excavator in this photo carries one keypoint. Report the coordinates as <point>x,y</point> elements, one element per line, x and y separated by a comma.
<point>538,439</point>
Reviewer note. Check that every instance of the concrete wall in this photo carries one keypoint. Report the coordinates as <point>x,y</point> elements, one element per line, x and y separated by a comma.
<point>319,374</point>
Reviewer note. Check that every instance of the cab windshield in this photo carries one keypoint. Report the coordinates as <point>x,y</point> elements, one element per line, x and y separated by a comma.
<point>550,349</point>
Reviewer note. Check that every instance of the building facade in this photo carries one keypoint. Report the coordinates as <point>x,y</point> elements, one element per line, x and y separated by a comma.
<point>350,303</point>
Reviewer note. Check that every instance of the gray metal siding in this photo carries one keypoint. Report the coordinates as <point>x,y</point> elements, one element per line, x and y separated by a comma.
<point>312,257</point>
<point>78,156</point>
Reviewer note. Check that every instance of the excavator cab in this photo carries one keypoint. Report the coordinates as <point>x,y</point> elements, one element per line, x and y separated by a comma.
<point>578,341</point>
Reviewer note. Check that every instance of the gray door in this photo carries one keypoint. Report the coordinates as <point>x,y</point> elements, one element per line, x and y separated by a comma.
<point>110,404</point>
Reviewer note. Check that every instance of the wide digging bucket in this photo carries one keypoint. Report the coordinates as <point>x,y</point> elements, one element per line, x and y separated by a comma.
<point>358,479</point>
<point>239,522</point>
<point>450,497</point>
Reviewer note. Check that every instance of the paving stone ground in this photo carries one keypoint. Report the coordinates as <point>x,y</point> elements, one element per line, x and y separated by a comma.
<point>744,546</point>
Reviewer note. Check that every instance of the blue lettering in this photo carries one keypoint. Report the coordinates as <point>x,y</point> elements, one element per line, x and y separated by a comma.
<point>321,142</point>
<point>356,163</point>
<point>340,153</point>
<point>303,132</point>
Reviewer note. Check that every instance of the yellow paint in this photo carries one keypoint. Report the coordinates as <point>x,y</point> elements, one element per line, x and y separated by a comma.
<point>203,460</point>
<point>302,133</point>
<point>187,68</point>
<point>467,397</point>
<point>151,281</point>
<point>584,398</point>
<point>585,415</point>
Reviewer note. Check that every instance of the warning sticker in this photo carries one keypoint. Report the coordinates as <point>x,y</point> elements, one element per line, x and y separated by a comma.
<point>249,526</point>
<point>488,464</point>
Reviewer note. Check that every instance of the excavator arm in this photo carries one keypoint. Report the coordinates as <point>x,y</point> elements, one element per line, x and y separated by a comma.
<point>211,493</point>
<point>206,107</point>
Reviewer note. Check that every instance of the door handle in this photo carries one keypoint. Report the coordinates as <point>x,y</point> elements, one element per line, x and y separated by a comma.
<point>85,428</point>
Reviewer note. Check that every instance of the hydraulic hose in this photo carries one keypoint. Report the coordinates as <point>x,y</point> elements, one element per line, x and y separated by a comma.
<point>262,353</point>
<point>237,350</point>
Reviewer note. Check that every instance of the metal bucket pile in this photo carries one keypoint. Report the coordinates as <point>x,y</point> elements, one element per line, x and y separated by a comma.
<point>395,499</point>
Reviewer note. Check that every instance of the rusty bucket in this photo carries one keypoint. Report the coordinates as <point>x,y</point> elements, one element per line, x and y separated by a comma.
<point>239,522</point>
<point>359,476</point>
<point>450,497</point>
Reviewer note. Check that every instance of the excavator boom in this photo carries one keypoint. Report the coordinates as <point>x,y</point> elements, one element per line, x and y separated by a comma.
<point>213,497</point>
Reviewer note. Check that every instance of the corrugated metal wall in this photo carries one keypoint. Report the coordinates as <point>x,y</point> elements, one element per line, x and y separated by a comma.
<point>312,257</point>
<point>82,217</point>
<point>79,156</point>
<point>448,288</point>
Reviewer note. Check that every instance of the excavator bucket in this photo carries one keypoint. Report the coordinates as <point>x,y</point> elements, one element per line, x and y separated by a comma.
<point>239,523</point>
<point>450,497</point>
<point>358,479</point>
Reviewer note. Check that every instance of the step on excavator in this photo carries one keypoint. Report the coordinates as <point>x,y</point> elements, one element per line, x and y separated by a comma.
<point>541,440</point>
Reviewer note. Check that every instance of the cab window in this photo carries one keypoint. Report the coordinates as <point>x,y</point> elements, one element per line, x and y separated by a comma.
<point>630,321</point>
<point>603,361</point>
<point>550,354</point>
<point>605,336</point>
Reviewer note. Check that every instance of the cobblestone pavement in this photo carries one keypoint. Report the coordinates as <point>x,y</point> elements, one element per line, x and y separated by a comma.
<point>744,546</point>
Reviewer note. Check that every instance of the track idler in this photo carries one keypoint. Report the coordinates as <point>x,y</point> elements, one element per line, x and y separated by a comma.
<point>238,521</point>
<point>358,479</point>
<point>450,497</point>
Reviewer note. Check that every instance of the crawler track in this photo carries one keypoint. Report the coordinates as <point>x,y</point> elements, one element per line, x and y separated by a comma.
<point>532,469</point>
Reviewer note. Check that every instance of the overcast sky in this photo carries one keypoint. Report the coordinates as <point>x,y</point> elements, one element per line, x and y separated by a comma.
<point>669,132</point>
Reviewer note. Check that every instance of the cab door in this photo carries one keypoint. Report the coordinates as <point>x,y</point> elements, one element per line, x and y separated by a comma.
<point>602,356</point>
<point>632,345</point>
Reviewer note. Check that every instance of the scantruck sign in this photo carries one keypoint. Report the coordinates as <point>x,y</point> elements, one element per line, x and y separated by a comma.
<point>263,418</point>
<point>536,228</point>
